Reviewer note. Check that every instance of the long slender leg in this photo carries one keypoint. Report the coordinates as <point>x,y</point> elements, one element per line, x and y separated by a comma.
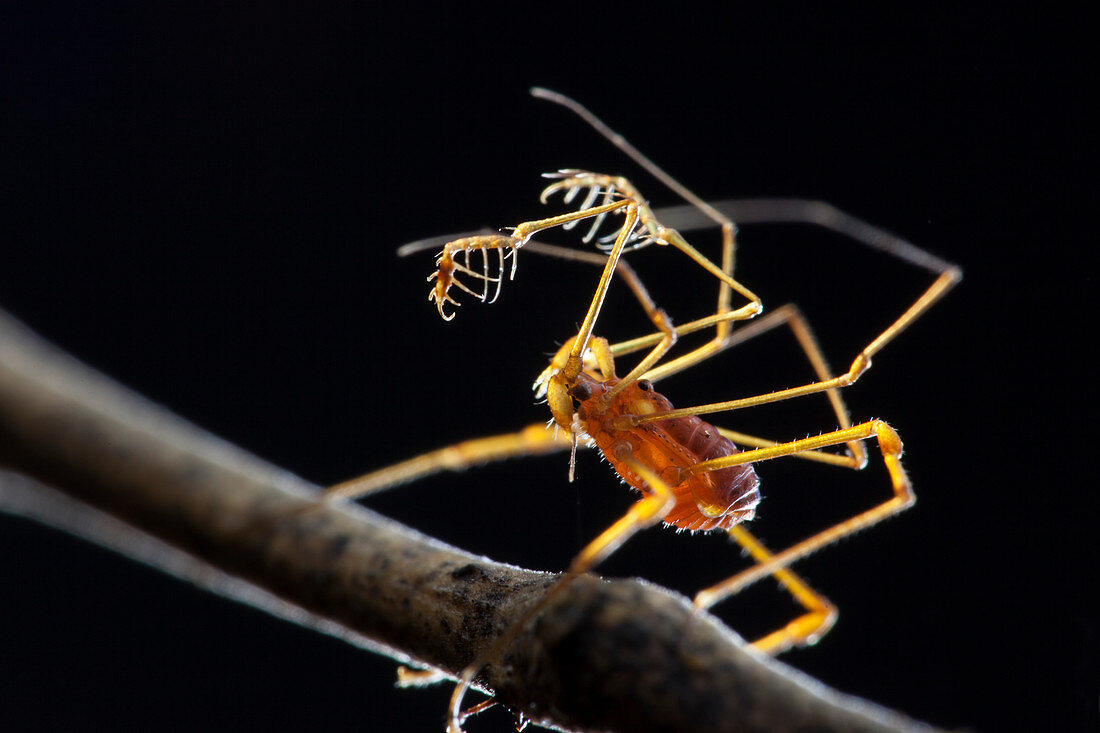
<point>531,441</point>
<point>805,211</point>
<point>808,628</point>
<point>623,270</point>
<point>653,231</point>
<point>659,318</point>
<point>792,317</point>
<point>666,337</point>
<point>580,343</point>
<point>891,448</point>
<point>630,277</point>
<point>820,614</point>
<point>860,365</point>
<point>817,456</point>
<point>648,511</point>
<point>816,213</point>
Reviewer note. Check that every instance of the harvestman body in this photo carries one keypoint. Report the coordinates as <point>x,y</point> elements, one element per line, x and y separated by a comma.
<point>691,474</point>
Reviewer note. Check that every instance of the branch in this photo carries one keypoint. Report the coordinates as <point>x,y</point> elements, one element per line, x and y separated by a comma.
<point>618,655</point>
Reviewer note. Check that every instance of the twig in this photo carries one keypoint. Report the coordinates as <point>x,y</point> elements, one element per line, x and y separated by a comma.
<point>619,655</point>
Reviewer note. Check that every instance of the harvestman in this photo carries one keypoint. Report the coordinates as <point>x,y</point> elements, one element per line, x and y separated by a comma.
<point>691,474</point>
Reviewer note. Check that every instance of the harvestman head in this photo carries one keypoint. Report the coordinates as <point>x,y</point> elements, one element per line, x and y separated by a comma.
<point>690,474</point>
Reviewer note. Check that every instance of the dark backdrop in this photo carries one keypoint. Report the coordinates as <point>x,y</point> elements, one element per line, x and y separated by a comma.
<point>205,205</point>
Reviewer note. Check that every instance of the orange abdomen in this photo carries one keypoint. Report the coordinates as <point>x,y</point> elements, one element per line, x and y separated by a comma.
<point>711,500</point>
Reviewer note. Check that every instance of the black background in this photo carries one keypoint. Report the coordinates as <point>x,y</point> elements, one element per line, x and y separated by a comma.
<point>205,204</point>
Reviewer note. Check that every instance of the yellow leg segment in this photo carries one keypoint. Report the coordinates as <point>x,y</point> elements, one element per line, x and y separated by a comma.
<point>861,363</point>
<point>534,440</point>
<point>806,629</point>
<point>834,459</point>
<point>890,445</point>
<point>790,316</point>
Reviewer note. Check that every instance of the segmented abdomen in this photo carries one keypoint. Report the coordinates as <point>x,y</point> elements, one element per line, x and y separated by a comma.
<point>710,500</point>
<point>719,499</point>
